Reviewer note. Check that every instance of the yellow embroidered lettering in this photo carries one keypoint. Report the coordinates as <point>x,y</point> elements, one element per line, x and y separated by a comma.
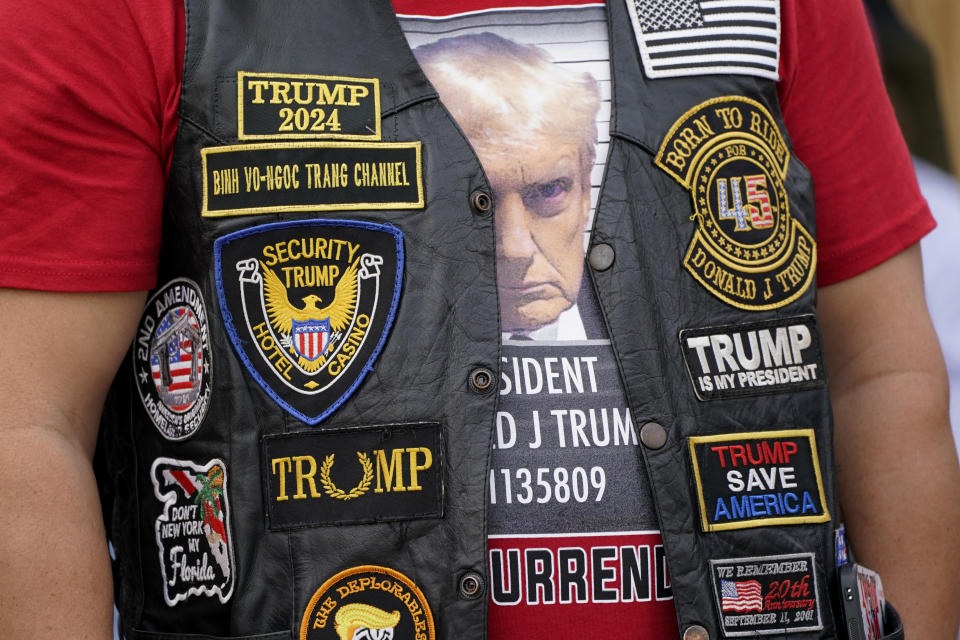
<point>301,476</point>
<point>285,466</point>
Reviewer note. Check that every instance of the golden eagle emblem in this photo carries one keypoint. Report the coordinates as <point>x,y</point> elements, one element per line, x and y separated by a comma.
<point>283,314</point>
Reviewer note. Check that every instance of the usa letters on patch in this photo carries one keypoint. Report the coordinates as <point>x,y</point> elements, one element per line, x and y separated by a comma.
<point>308,306</point>
<point>758,479</point>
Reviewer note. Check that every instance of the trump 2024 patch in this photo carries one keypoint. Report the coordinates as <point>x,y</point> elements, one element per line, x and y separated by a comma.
<point>758,479</point>
<point>308,306</point>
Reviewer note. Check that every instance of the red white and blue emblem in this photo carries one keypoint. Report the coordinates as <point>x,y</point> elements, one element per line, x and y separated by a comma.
<point>310,338</point>
<point>171,359</point>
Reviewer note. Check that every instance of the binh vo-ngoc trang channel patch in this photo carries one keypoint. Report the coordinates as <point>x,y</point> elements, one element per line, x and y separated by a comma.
<point>758,479</point>
<point>754,358</point>
<point>309,176</point>
<point>747,249</point>
<point>308,306</point>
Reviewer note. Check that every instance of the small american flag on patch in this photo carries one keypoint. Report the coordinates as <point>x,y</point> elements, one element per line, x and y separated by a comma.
<point>740,596</point>
<point>698,37</point>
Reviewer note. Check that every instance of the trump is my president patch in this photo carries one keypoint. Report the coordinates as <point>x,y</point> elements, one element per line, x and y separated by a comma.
<point>308,306</point>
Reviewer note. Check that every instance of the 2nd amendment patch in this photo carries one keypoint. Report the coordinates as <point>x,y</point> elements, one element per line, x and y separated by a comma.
<point>368,602</point>
<point>767,595</point>
<point>757,479</point>
<point>308,306</point>
<point>289,105</point>
<point>311,176</point>
<point>353,476</point>
<point>747,249</point>
<point>753,358</point>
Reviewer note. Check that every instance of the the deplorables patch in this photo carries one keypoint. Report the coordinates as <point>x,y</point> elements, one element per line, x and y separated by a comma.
<point>368,603</point>
<point>311,176</point>
<point>746,249</point>
<point>288,105</point>
<point>767,595</point>
<point>193,530</point>
<point>757,479</point>
<point>700,37</point>
<point>367,474</point>
<point>171,359</point>
<point>308,306</point>
<point>753,358</point>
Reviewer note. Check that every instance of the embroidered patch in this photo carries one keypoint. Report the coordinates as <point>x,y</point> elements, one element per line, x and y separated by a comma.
<point>171,359</point>
<point>700,37</point>
<point>308,306</point>
<point>311,176</point>
<point>193,531</point>
<point>367,474</point>
<point>767,594</point>
<point>367,603</point>
<point>753,358</point>
<point>758,479</point>
<point>288,105</point>
<point>746,249</point>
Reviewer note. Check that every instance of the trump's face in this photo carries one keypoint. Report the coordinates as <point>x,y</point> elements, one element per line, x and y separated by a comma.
<point>542,201</point>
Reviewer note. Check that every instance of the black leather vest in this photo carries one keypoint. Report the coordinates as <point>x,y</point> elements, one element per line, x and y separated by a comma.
<point>206,537</point>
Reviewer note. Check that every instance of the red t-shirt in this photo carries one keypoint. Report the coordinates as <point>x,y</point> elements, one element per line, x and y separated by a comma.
<point>89,117</point>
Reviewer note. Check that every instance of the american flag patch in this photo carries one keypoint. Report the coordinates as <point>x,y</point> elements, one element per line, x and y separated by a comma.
<point>740,596</point>
<point>700,37</point>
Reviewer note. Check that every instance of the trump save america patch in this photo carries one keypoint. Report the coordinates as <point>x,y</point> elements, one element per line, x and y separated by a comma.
<point>756,479</point>
<point>308,306</point>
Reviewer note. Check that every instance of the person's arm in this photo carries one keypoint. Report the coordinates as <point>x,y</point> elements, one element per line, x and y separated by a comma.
<point>899,483</point>
<point>58,355</point>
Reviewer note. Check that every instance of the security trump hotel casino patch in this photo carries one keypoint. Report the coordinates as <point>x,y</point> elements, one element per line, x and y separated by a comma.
<point>308,306</point>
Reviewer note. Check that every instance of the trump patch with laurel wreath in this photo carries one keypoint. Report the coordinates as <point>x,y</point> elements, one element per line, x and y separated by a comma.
<point>308,306</point>
<point>353,476</point>
<point>747,249</point>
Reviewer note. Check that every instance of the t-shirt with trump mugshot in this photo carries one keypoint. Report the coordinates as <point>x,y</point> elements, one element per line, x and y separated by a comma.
<point>574,545</point>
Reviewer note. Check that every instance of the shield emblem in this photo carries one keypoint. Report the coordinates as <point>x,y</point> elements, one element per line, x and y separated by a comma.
<point>310,338</point>
<point>308,306</point>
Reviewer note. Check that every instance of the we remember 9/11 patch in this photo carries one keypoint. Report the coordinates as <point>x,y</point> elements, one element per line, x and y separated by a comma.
<point>767,595</point>
<point>753,358</point>
<point>758,479</point>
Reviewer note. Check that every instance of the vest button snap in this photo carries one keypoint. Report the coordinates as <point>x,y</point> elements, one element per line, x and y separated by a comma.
<point>481,201</point>
<point>601,257</point>
<point>654,436</point>
<point>471,585</point>
<point>481,379</point>
<point>696,632</point>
